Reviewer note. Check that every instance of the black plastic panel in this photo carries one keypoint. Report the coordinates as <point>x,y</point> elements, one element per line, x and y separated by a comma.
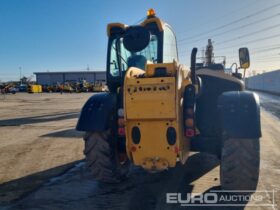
<point>98,113</point>
<point>240,114</point>
<point>171,136</point>
<point>136,135</point>
<point>206,105</point>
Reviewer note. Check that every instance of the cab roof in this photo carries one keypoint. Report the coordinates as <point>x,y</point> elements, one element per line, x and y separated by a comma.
<point>119,27</point>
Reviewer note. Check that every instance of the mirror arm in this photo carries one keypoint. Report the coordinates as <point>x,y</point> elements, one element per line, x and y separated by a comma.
<point>236,67</point>
<point>244,73</point>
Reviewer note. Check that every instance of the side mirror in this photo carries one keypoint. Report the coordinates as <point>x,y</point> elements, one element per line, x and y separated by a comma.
<point>244,58</point>
<point>136,38</point>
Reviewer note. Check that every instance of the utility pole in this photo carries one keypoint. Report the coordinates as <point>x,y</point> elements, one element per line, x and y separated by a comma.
<point>20,75</point>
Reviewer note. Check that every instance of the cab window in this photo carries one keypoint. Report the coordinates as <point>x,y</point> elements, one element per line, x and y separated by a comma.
<point>170,46</point>
<point>121,59</point>
<point>114,67</point>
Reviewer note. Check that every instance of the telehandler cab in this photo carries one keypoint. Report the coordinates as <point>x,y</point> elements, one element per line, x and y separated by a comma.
<point>156,111</point>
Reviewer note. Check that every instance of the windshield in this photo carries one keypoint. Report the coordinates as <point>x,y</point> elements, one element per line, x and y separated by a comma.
<point>121,59</point>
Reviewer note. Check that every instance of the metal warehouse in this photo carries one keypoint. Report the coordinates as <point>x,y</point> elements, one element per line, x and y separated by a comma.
<point>269,82</point>
<point>51,78</point>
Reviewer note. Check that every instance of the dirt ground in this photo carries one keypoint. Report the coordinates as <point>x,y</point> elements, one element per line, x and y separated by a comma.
<point>37,134</point>
<point>42,164</point>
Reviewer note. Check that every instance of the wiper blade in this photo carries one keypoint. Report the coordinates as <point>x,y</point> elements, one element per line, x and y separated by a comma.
<point>119,55</point>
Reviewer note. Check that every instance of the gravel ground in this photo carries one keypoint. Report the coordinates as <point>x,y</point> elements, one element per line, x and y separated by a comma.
<point>42,165</point>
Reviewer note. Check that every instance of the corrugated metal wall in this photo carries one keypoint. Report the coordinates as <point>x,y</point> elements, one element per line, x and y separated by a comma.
<point>61,77</point>
<point>100,76</point>
<point>269,82</point>
<point>42,79</point>
<point>55,77</point>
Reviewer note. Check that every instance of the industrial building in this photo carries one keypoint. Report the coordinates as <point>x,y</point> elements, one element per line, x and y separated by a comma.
<point>51,78</point>
<point>268,82</point>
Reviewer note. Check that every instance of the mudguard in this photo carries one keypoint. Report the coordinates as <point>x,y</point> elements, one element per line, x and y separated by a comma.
<point>98,113</point>
<point>240,114</point>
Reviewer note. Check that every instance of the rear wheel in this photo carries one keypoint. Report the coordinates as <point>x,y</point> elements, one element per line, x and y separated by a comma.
<point>240,160</point>
<point>103,159</point>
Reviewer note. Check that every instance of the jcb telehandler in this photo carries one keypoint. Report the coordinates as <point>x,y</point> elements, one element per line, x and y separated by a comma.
<point>156,111</point>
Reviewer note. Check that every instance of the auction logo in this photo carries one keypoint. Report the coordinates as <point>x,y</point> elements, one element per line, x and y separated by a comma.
<point>224,198</point>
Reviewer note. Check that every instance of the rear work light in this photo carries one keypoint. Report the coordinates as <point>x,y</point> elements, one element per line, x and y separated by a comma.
<point>121,123</point>
<point>188,111</point>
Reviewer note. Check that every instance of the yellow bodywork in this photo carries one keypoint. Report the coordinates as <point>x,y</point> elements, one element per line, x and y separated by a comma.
<point>154,104</point>
<point>35,89</point>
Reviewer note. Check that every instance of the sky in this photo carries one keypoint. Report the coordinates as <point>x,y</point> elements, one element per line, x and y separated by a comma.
<point>70,35</point>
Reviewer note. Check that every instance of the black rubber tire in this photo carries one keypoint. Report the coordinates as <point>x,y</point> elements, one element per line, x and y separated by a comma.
<point>240,162</point>
<point>102,159</point>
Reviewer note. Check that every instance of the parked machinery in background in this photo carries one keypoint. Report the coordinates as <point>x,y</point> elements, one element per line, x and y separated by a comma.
<point>209,60</point>
<point>99,86</point>
<point>8,88</point>
<point>32,88</point>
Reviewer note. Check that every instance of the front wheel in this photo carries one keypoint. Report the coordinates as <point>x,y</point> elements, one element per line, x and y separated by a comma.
<point>240,162</point>
<point>103,159</point>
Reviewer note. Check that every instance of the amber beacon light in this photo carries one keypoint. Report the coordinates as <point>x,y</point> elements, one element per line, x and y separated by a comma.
<point>151,13</point>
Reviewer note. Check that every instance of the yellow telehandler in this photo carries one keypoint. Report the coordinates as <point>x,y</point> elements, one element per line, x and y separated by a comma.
<point>157,111</point>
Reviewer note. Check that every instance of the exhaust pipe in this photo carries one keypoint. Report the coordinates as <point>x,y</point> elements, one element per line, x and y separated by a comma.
<point>193,64</point>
